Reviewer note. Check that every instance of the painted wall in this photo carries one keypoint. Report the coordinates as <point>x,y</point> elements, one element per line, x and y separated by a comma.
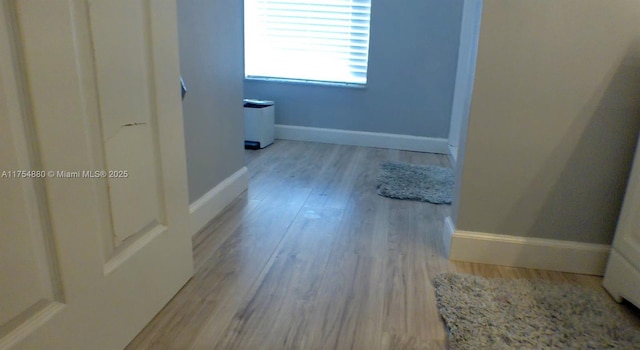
<point>554,119</point>
<point>467,53</point>
<point>412,68</point>
<point>469,35</point>
<point>211,60</point>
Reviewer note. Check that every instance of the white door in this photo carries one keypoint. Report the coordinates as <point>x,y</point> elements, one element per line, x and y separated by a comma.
<point>88,257</point>
<point>622,277</point>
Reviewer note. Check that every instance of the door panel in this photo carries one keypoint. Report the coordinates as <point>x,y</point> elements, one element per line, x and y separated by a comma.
<point>627,240</point>
<point>124,79</point>
<point>622,277</point>
<point>28,249</point>
<point>88,88</point>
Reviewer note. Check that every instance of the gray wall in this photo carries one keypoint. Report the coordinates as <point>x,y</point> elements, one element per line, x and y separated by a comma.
<point>554,119</point>
<point>211,60</point>
<point>469,36</point>
<point>412,68</point>
<point>467,53</point>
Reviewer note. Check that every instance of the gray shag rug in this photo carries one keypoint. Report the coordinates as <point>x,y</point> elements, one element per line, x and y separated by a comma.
<point>484,313</point>
<point>426,183</point>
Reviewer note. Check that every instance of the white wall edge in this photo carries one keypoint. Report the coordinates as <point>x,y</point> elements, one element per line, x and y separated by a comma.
<point>213,202</point>
<point>447,234</point>
<point>527,252</point>
<point>453,155</point>
<point>363,138</point>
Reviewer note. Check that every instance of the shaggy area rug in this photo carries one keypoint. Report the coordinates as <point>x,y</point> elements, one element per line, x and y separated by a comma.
<point>486,313</point>
<point>426,183</point>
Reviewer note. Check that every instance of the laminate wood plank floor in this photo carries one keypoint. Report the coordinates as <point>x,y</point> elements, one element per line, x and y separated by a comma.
<point>310,257</point>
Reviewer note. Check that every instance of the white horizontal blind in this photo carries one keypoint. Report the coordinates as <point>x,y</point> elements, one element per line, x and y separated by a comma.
<point>319,40</point>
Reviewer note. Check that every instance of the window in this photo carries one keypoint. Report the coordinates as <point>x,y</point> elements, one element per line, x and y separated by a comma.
<point>308,40</point>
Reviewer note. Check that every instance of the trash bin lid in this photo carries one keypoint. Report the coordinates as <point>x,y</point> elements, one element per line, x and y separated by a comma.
<point>251,103</point>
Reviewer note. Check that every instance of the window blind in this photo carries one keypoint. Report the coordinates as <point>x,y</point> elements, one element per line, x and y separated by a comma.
<point>307,40</point>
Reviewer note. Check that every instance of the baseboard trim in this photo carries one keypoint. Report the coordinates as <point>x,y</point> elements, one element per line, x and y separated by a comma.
<point>453,155</point>
<point>535,253</point>
<point>213,202</point>
<point>449,229</point>
<point>363,138</point>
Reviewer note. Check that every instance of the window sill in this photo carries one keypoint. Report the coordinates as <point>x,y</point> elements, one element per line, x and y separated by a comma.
<point>308,82</point>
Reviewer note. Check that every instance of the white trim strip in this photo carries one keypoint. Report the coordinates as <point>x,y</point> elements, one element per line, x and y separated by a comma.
<point>453,155</point>
<point>213,202</point>
<point>528,252</point>
<point>449,229</point>
<point>362,138</point>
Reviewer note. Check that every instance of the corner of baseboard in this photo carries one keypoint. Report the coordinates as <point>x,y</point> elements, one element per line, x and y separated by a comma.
<point>453,155</point>
<point>447,235</point>
<point>213,202</point>
<point>528,252</point>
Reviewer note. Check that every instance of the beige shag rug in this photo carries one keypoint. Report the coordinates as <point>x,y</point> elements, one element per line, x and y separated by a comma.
<point>484,313</point>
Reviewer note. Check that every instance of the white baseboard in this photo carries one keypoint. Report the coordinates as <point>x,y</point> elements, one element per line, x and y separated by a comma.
<point>213,202</point>
<point>453,155</point>
<point>447,234</point>
<point>363,138</point>
<point>535,253</point>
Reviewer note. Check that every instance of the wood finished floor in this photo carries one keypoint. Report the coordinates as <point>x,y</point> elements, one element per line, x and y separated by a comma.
<point>310,257</point>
